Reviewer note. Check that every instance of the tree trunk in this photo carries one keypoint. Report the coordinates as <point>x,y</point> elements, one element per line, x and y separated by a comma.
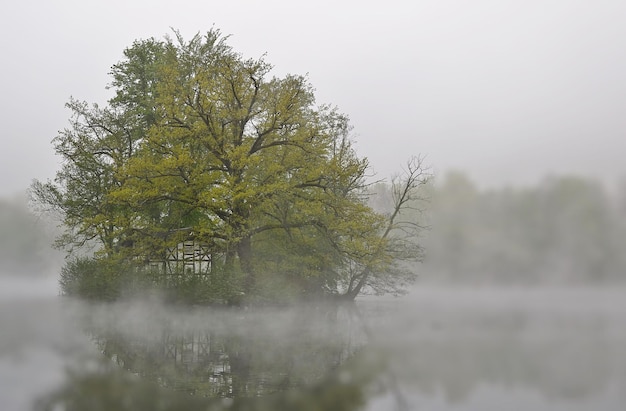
<point>244,251</point>
<point>352,293</point>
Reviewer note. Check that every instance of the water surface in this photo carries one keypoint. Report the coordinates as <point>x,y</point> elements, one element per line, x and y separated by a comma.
<point>436,349</point>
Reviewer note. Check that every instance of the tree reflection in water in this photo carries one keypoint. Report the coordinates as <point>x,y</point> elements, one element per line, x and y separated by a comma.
<point>305,359</point>
<point>109,389</point>
<point>545,350</point>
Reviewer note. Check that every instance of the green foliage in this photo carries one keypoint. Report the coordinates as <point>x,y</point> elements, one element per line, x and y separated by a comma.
<point>105,279</point>
<point>92,279</point>
<point>221,286</point>
<point>200,144</point>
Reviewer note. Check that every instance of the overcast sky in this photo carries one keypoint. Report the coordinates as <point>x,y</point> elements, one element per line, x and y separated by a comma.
<point>508,91</point>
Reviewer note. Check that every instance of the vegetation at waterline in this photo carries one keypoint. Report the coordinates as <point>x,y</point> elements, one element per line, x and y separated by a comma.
<point>203,165</point>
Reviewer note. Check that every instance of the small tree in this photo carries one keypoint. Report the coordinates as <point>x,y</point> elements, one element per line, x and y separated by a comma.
<point>387,267</point>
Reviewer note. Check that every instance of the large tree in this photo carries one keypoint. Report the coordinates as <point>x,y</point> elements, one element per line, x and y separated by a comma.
<point>199,142</point>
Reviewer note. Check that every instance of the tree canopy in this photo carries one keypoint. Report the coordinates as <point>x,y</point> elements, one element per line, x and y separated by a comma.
<point>201,143</point>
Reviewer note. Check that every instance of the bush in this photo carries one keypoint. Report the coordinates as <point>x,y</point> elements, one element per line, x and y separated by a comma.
<point>217,287</point>
<point>107,280</point>
<point>103,280</point>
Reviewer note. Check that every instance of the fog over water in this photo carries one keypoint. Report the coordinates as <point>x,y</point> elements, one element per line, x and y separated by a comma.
<point>520,303</point>
<point>520,306</point>
<point>439,348</point>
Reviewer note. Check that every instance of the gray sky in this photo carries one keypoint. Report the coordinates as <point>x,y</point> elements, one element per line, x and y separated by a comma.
<point>506,90</point>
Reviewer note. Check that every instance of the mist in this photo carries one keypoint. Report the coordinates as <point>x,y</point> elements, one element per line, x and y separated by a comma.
<point>505,92</point>
<point>444,348</point>
<point>564,230</point>
<point>472,333</point>
<point>518,303</point>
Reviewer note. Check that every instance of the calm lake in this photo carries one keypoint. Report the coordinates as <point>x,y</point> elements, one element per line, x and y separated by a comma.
<point>435,349</point>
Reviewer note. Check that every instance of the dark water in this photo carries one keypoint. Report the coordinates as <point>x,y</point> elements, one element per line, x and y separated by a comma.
<point>436,349</point>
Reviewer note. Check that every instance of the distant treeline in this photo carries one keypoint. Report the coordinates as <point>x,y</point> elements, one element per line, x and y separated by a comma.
<point>562,230</point>
<point>26,240</point>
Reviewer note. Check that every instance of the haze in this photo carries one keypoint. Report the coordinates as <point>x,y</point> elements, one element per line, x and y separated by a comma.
<point>506,91</point>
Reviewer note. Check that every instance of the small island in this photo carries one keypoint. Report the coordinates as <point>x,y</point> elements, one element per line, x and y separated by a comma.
<point>209,180</point>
